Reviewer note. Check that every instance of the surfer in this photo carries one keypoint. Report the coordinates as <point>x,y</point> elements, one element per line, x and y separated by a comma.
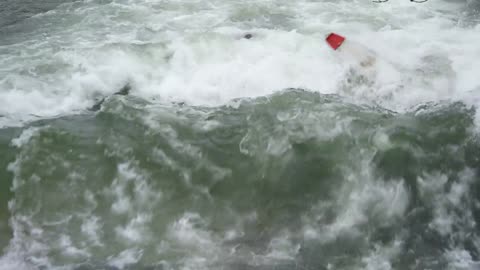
<point>351,50</point>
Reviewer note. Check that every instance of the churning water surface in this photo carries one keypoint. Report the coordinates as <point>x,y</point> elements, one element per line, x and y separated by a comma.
<point>231,153</point>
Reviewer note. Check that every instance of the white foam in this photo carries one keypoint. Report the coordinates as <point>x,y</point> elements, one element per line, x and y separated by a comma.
<point>362,197</point>
<point>92,229</point>
<point>143,196</point>
<point>12,261</point>
<point>461,259</point>
<point>282,248</point>
<point>136,230</point>
<point>67,248</point>
<point>185,58</point>
<point>25,137</point>
<point>445,217</point>
<point>190,231</point>
<point>380,257</point>
<point>125,258</point>
<point>447,200</point>
<point>214,71</point>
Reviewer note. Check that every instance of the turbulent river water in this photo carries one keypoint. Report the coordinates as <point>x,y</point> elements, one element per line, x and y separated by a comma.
<point>229,153</point>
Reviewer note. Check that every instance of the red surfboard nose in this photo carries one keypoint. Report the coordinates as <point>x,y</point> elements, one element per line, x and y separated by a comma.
<point>335,40</point>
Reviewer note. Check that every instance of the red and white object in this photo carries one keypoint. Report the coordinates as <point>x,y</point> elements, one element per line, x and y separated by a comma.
<point>351,50</point>
<point>335,40</point>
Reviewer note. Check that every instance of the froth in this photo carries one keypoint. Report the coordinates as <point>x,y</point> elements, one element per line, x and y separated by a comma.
<point>212,67</point>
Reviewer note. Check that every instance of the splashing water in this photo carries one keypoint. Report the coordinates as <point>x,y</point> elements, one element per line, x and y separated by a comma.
<point>267,152</point>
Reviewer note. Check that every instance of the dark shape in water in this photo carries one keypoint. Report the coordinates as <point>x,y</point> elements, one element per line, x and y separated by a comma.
<point>248,36</point>
<point>125,90</point>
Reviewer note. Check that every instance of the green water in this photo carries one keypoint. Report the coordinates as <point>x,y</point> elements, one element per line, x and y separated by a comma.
<point>5,184</point>
<point>292,180</point>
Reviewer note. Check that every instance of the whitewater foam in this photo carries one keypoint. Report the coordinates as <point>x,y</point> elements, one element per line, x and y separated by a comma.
<point>73,67</point>
<point>193,52</point>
